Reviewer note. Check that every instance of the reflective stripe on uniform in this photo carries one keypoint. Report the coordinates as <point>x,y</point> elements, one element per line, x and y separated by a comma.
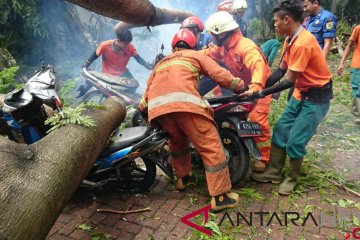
<point>217,168</point>
<point>263,144</point>
<point>180,62</point>
<point>143,102</point>
<point>181,153</point>
<point>234,83</point>
<point>176,97</point>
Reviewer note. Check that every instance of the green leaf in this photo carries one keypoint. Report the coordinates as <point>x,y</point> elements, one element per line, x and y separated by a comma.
<point>85,227</point>
<point>342,203</point>
<point>356,221</point>
<point>357,205</point>
<point>308,209</point>
<point>345,203</point>
<point>214,227</point>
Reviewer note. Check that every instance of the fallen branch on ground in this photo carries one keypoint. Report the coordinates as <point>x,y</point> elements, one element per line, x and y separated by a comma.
<point>348,190</point>
<point>124,212</point>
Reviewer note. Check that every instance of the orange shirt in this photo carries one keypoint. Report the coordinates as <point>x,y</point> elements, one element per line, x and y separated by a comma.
<point>115,62</point>
<point>305,57</point>
<point>244,59</point>
<point>355,37</point>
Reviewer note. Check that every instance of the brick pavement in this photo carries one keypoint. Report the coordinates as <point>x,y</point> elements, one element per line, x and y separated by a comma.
<point>168,205</point>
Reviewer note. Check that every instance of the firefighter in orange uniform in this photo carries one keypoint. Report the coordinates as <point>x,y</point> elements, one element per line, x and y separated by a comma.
<point>244,59</point>
<point>171,100</point>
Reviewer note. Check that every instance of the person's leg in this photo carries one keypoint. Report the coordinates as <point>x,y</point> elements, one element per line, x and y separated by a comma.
<point>203,133</point>
<point>261,115</point>
<point>281,132</point>
<point>355,84</point>
<point>178,144</point>
<point>303,129</point>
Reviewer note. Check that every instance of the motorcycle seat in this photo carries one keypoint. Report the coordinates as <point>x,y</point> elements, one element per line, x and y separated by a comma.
<point>115,80</point>
<point>16,100</point>
<point>125,138</point>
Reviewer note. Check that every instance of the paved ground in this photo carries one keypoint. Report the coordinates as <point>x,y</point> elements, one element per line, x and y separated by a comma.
<point>333,211</point>
<point>168,205</point>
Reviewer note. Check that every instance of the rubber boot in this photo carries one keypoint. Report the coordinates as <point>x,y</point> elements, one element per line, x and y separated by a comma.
<point>273,170</point>
<point>289,183</point>
<point>357,104</point>
<point>354,110</point>
<point>226,200</point>
<point>182,183</point>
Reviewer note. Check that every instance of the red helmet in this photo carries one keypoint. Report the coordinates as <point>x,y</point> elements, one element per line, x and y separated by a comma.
<point>186,36</point>
<point>226,6</point>
<point>192,22</point>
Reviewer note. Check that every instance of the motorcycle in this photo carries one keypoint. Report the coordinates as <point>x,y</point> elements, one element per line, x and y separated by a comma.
<point>25,110</point>
<point>128,162</point>
<point>100,86</point>
<point>237,134</point>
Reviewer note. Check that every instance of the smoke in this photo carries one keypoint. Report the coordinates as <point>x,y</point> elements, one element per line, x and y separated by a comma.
<point>73,34</point>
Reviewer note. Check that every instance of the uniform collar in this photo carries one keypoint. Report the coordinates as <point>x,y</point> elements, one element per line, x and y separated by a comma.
<point>317,15</point>
<point>235,37</point>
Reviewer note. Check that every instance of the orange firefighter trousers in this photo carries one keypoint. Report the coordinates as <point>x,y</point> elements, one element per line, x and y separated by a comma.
<point>201,131</point>
<point>261,115</point>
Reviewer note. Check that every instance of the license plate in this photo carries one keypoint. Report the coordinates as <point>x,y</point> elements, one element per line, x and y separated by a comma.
<point>249,129</point>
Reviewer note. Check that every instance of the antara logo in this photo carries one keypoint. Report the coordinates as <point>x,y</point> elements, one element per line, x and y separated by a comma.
<point>204,210</point>
<point>355,234</point>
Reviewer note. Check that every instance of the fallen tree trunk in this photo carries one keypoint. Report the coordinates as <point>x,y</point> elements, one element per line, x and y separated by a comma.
<point>36,181</point>
<point>135,12</point>
<point>163,16</point>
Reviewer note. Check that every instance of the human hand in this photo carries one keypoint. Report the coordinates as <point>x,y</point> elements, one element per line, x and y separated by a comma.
<point>252,94</point>
<point>340,69</point>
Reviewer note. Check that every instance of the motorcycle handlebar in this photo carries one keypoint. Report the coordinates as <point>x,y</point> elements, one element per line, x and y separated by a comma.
<point>233,98</point>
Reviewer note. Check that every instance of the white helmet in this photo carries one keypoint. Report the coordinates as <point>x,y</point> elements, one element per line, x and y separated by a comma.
<point>220,22</point>
<point>239,4</point>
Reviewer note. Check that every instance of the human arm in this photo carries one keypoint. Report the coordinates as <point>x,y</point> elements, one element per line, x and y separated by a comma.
<point>327,46</point>
<point>347,51</point>
<point>143,105</point>
<point>219,74</point>
<point>213,52</point>
<point>92,58</point>
<point>142,62</point>
<point>275,77</point>
<point>329,33</point>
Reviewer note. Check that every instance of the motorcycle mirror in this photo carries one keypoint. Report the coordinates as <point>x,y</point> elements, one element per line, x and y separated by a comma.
<point>42,63</point>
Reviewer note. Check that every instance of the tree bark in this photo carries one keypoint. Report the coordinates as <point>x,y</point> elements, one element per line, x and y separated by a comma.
<point>163,16</point>
<point>139,12</point>
<point>37,180</point>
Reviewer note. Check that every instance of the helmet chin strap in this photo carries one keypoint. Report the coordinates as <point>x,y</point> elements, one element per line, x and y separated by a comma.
<point>220,41</point>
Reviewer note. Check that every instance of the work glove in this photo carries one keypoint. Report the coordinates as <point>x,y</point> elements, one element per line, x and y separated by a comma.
<point>149,66</point>
<point>257,94</point>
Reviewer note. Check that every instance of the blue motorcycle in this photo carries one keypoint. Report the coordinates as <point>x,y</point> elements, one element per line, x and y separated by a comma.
<point>127,164</point>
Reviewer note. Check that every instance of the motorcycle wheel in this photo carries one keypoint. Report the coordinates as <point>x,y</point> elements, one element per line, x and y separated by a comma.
<point>239,158</point>
<point>137,176</point>
<point>94,96</point>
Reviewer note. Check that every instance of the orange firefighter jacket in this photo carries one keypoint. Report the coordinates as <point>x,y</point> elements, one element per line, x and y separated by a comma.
<point>172,86</point>
<point>244,59</point>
